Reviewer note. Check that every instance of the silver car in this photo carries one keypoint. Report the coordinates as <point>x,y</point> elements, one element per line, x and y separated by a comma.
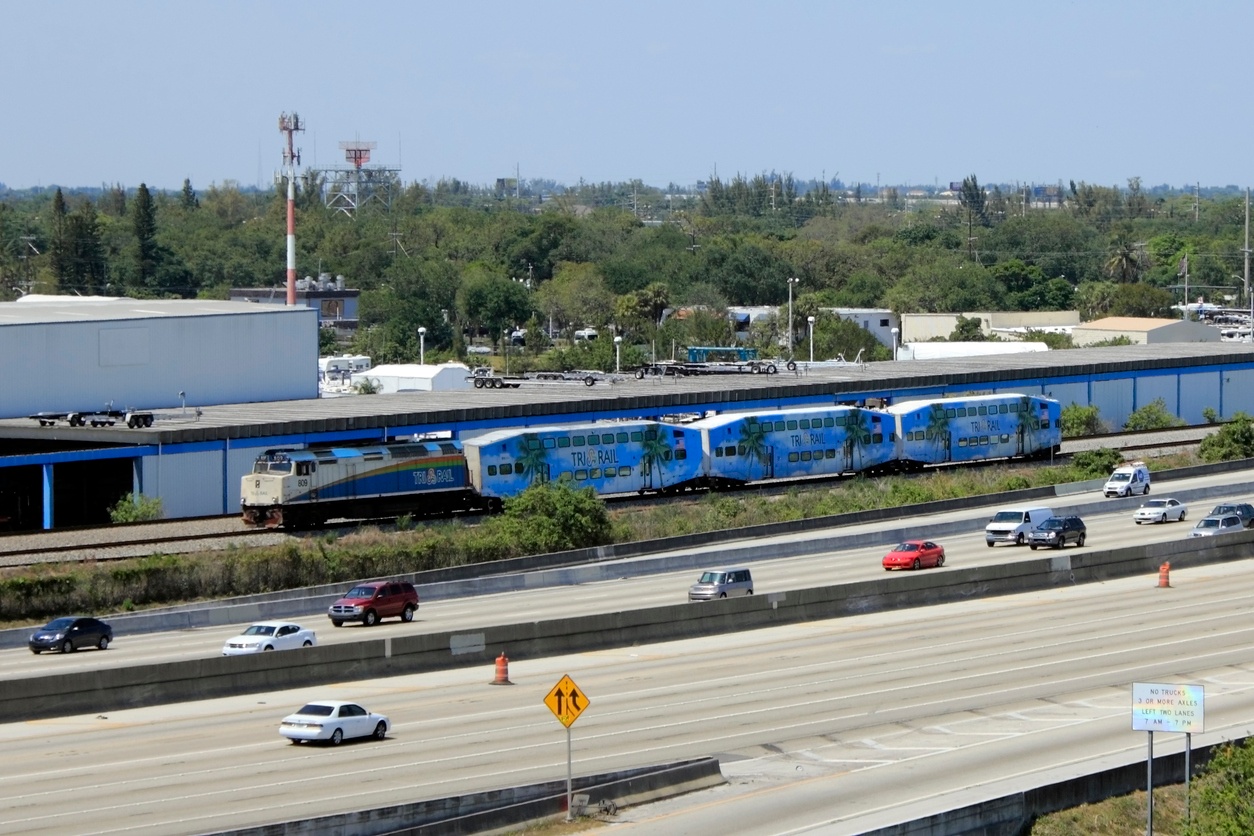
<point>1160,510</point>
<point>1217,524</point>
<point>721,583</point>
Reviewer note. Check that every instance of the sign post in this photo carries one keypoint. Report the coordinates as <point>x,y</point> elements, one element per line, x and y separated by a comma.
<point>1168,708</point>
<point>567,702</point>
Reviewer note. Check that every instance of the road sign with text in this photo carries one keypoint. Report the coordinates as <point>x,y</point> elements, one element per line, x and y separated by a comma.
<point>566,701</point>
<point>1168,708</point>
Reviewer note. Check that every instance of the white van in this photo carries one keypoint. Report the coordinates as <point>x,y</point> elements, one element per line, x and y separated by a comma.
<point>1011,525</point>
<point>721,583</point>
<point>1131,479</point>
<point>585,335</point>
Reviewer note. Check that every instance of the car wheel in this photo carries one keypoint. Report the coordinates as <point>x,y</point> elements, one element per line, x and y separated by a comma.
<point>267,648</point>
<point>917,565</point>
<point>1080,540</point>
<point>1062,541</point>
<point>407,614</point>
<point>380,730</point>
<point>371,618</point>
<point>103,644</point>
<point>337,737</point>
<point>67,646</point>
<point>1019,539</point>
<point>940,561</point>
<point>1032,547</point>
<point>36,650</point>
<point>1147,490</point>
<point>307,643</point>
<point>337,623</point>
<point>988,543</point>
<point>1183,514</point>
<point>722,595</point>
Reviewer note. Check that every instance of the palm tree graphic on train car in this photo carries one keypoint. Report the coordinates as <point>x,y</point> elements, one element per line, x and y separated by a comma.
<point>857,437</point>
<point>938,432</point>
<point>654,454</point>
<point>753,442</point>
<point>1026,438</point>
<point>532,459</point>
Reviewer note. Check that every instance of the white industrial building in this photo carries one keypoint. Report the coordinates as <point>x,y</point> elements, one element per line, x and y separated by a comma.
<point>412,377</point>
<point>1144,331</point>
<point>69,353</point>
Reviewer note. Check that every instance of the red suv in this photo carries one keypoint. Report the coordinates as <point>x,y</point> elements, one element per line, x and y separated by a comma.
<point>368,602</point>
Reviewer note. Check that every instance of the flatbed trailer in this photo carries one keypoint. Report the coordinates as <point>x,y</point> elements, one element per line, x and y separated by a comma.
<point>96,418</point>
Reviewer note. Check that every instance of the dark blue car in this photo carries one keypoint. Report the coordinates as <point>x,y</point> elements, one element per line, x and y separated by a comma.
<point>71,633</point>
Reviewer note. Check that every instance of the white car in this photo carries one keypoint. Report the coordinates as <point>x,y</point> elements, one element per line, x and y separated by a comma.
<point>1217,524</point>
<point>1161,510</point>
<point>333,721</point>
<point>269,635</point>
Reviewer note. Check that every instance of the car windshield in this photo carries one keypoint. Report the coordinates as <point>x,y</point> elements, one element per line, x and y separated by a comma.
<point>360,592</point>
<point>1008,516</point>
<point>260,630</point>
<point>315,709</point>
<point>1051,525</point>
<point>1209,522</point>
<point>59,624</point>
<point>711,577</point>
<point>1120,477</point>
<point>1155,503</point>
<point>907,547</point>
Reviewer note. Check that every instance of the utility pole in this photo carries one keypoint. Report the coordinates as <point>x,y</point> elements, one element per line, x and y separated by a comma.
<point>1197,201</point>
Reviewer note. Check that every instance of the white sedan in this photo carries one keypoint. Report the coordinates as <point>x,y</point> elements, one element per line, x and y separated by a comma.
<point>269,635</point>
<point>1160,510</point>
<point>333,721</point>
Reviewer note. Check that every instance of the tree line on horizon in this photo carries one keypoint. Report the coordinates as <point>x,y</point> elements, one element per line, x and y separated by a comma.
<point>460,260</point>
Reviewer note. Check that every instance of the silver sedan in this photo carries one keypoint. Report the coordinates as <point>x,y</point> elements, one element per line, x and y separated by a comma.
<point>1161,510</point>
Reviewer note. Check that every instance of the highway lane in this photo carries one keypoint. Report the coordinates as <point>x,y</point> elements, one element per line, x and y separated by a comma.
<point>822,727</point>
<point>1109,530</point>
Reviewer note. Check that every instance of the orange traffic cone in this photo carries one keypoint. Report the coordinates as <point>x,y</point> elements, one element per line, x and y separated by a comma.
<point>1164,576</point>
<point>502,671</point>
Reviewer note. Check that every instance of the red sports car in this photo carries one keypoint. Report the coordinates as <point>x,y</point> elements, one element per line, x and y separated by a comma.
<point>914,554</point>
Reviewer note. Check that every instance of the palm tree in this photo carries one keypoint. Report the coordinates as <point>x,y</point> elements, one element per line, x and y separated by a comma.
<point>532,459</point>
<point>753,440</point>
<point>938,431</point>
<point>1025,429</point>
<point>1127,261</point>
<point>857,437</point>
<point>653,451</point>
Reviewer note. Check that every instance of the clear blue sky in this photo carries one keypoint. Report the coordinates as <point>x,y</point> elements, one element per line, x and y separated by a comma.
<point>907,92</point>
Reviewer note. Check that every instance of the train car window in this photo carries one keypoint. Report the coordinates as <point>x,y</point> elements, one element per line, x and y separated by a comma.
<point>550,443</point>
<point>577,440</point>
<point>805,423</point>
<point>680,454</point>
<point>1014,407</point>
<point>624,471</point>
<point>805,455</point>
<point>793,457</point>
<point>563,442</point>
<point>594,473</point>
<point>877,438</point>
<point>829,422</point>
<point>984,410</point>
<point>984,441</point>
<point>565,476</point>
<point>637,436</point>
<point>666,456</point>
<point>730,451</point>
<point>449,449</point>
<point>951,413</point>
<point>892,436</point>
<point>1003,409</point>
<point>581,475</point>
<point>741,449</point>
<point>1045,423</point>
<point>792,425</point>
<point>373,457</point>
<point>531,443</point>
<point>491,470</point>
<point>507,469</point>
<point>1005,438</point>
<point>718,452</point>
<point>962,442</point>
<point>831,454</point>
<point>620,438</point>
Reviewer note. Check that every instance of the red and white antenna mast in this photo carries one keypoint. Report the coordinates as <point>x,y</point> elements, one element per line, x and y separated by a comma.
<point>291,158</point>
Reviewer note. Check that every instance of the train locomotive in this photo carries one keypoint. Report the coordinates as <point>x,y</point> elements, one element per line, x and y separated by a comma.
<point>294,488</point>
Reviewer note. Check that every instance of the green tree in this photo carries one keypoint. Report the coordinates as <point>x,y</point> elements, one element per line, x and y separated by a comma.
<point>1152,416</point>
<point>969,329</point>
<point>1094,464</point>
<point>1221,795</point>
<point>134,508</point>
<point>492,301</point>
<point>187,198</point>
<point>59,241</point>
<point>144,229</point>
<point>1081,420</point>
<point>973,200</point>
<point>1126,262</point>
<point>87,263</point>
<point>1235,440</point>
<point>552,516</point>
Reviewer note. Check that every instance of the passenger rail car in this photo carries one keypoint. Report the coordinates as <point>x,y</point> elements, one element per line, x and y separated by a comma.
<point>610,458</point>
<point>789,443</point>
<point>302,487</point>
<point>975,428</point>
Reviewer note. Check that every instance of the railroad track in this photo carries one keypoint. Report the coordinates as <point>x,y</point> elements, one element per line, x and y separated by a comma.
<point>120,542</point>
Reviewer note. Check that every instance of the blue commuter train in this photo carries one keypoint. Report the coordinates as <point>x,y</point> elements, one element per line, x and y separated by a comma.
<point>296,488</point>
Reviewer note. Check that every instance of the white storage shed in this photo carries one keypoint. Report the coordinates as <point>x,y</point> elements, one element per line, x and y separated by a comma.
<point>69,353</point>
<point>412,377</point>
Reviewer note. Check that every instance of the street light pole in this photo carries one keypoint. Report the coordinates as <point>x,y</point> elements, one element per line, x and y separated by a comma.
<point>791,281</point>
<point>895,331</point>
<point>618,365</point>
<point>422,345</point>
<point>810,321</point>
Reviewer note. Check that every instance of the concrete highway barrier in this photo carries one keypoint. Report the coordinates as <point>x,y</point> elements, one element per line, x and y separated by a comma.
<point>130,687</point>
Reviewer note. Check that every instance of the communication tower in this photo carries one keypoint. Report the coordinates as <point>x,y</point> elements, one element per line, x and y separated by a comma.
<point>354,187</point>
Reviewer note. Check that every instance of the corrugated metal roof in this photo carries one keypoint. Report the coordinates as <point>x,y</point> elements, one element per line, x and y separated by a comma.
<point>49,309</point>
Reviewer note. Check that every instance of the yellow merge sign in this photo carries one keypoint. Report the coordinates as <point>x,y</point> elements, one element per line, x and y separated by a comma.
<point>566,701</point>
